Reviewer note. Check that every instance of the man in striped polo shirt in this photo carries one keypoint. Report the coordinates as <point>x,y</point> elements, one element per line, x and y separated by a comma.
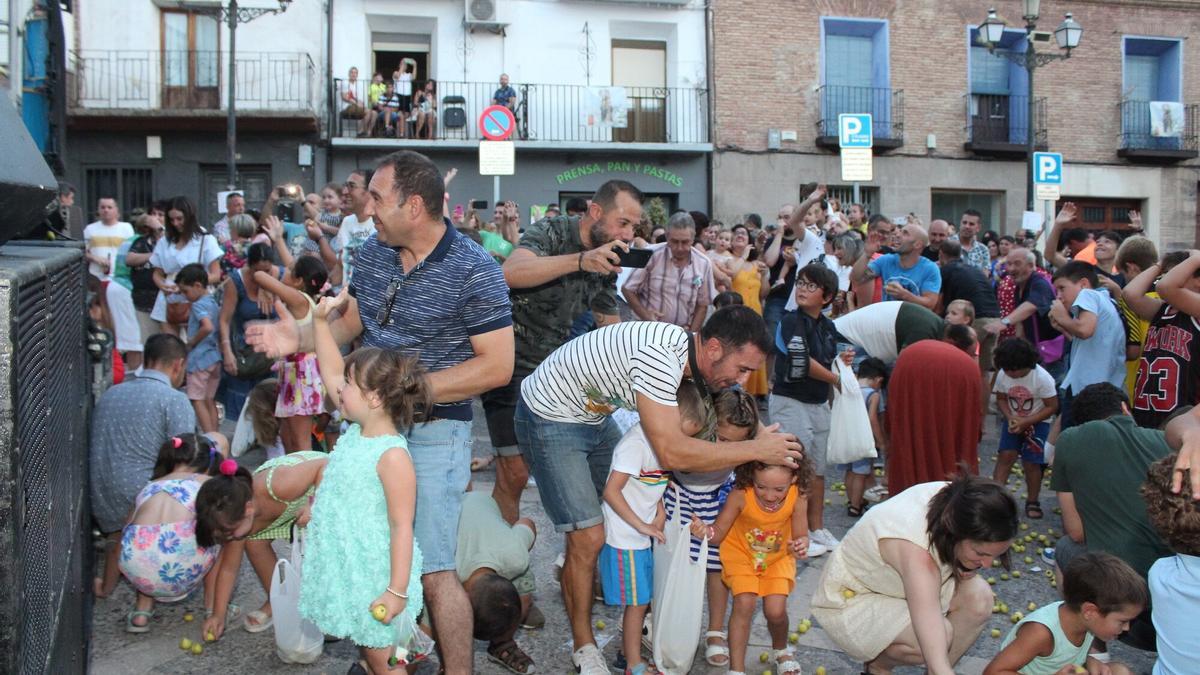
<point>567,436</point>
<point>421,288</point>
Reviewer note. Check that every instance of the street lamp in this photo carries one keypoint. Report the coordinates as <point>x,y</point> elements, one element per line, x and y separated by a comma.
<point>232,15</point>
<point>1067,35</point>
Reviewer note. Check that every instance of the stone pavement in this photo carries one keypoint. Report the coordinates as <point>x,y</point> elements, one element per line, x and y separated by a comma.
<point>115,652</point>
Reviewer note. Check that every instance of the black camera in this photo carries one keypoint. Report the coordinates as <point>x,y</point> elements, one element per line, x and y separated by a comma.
<point>289,210</point>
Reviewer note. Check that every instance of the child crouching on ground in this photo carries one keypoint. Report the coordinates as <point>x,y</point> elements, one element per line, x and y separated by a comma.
<point>1101,595</point>
<point>701,495</point>
<point>633,520</point>
<point>1174,581</point>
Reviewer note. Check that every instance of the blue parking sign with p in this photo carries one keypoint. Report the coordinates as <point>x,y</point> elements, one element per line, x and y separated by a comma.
<point>854,131</point>
<point>1047,168</point>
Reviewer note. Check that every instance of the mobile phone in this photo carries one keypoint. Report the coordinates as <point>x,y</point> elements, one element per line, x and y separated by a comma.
<point>289,211</point>
<point>479,204</point>
<point>634,257</point>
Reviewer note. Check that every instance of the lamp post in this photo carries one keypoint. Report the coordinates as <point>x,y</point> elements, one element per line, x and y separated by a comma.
<point>232,15</point>
<point>1067,35</point>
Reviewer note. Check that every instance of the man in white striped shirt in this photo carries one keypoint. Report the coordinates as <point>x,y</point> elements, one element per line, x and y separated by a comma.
<point>567,437</point>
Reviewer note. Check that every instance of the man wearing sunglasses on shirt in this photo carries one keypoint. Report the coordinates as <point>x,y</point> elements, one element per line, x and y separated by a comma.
<point>423,289</point>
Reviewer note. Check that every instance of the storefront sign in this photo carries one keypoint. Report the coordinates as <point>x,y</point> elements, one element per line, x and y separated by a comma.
<point>593,168</point>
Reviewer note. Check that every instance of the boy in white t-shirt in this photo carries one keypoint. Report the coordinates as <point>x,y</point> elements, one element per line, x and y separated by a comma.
<point>633,519</point>
<point>1027,398</point>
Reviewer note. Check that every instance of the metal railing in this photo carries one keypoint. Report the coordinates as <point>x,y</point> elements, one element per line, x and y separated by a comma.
<point>1140,132</point>
<point>191,80</point>
<point>1004,119</point>
<point>544,112</point>
<point>885,105</point>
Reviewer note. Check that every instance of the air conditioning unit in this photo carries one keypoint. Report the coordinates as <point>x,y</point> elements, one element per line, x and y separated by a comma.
<point>482,14</point>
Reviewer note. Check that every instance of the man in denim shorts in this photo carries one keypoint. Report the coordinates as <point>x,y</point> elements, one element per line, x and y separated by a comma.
<point>423,289</point>
<point>566,433</point>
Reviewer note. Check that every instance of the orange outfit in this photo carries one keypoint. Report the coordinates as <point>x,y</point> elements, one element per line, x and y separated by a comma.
<point>748,283</point>
<point>754,553</point>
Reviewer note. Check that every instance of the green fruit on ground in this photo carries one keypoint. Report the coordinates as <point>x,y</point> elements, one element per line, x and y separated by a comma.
<point>197,649</point>
<point>1004,576</point>
<point>209,637</point>
<point>802,628</point>
<point>1016,617</point>
<point>185,644</point>
<point>992,580</point>
<point>793,638</point>
<point>189,617</point>
<point>995,632</point>
<point>1028,560</point>
<point>1016,574</point>
<point>1031,606</point>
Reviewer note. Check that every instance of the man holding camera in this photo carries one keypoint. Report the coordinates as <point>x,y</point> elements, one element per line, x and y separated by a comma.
<point>563,266</point>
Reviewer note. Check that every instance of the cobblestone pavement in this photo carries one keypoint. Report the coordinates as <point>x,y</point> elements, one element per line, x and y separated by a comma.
<point>115,652</point>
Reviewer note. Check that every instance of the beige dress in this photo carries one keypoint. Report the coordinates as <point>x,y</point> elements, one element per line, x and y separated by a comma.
<point>865,624</point>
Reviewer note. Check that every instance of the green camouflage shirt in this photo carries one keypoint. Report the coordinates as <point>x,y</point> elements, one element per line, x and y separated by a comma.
<point>542,315</point>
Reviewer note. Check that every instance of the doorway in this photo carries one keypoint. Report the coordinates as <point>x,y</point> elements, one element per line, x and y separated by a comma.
<point>253,181</point>
<point>191,60</point>
<point>641,67</point>
<point>1097,214</point>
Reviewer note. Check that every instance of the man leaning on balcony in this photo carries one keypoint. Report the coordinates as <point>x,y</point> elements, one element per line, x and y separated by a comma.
<point>505,95</point>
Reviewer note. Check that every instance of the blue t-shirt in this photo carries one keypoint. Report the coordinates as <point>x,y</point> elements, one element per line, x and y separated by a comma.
<point>924,277</point>
<point>457,292</point>
<point>1101,357</point>
<point>205,353</point>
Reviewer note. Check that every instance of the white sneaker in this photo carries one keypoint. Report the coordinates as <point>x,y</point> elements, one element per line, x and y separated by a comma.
<point>815,550</point>
<point>589,661</point>
<point>876,494</point>
<point>824,537</point>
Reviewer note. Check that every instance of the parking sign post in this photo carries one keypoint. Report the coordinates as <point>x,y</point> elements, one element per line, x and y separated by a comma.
<point>1047,175</point>
<point>856,139</point>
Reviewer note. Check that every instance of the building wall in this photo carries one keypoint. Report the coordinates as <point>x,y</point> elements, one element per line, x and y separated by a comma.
<point>542,42</point>
<point>929,61</point>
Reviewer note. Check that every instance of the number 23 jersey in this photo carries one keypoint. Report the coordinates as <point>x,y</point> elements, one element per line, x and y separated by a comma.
<point>1168,371</point>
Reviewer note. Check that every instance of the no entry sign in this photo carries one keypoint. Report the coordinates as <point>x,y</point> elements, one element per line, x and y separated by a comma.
<point>497,123</point>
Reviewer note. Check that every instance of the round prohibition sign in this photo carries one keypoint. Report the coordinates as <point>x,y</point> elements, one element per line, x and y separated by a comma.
<point>497,123</point>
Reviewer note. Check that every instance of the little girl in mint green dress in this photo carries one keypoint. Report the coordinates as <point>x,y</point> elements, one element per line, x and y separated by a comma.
<point>360,550</point>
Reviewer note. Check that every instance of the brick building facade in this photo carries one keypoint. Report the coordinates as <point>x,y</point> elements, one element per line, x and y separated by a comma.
<point>956,116</point>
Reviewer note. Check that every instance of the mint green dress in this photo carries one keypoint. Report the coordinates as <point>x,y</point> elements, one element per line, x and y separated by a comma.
<point>347,558</point>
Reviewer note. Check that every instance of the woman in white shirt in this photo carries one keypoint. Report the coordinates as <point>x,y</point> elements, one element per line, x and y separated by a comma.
<point>185,242</point>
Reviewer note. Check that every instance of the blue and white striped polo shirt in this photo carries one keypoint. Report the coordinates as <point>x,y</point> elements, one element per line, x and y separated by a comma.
<point>458,291</point>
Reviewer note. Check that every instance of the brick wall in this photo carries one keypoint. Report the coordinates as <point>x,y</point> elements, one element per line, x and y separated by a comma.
<point>767,59</point>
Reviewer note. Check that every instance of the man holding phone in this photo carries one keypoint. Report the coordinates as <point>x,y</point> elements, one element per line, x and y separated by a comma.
<point>562,266</point>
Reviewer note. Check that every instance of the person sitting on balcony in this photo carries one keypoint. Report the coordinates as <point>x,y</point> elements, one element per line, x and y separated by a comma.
<point>425,110</point>
<point>389,113</point>
<point>375,91</point>
<point>505,95</point>
<point>351,106</point>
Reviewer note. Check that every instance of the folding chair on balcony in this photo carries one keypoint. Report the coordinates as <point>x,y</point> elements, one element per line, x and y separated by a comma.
<point>454,116</point>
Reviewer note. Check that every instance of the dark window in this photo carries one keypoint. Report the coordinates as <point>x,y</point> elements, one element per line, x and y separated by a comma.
<point>133,187</point>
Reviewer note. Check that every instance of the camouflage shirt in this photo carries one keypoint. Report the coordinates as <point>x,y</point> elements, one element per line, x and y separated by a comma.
<point>542,315</point>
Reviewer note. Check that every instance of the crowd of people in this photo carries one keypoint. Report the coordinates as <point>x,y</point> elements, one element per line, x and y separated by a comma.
<point>650,378</point>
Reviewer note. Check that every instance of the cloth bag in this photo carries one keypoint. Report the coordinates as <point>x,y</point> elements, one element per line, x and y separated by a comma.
<point>678,599</point>
<point>850,437</point>
<point>297,640</point>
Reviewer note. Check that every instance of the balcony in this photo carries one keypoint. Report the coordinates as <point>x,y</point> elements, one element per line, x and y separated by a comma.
<point>998,125</point>
<point>556,116</point>
<point>885,105</point>
<point>118,89</point>
<point>1144,140</point>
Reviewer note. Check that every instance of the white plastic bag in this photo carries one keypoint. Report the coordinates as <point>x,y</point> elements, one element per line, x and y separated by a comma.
<point>411,644</point>
<point>678,599</point>
<point>297,640</point>
<point>850,437</point>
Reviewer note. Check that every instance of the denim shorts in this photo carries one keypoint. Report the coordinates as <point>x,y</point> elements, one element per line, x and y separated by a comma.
<point>441,456</point>
<point>570,463</point>
<point>861,467</point>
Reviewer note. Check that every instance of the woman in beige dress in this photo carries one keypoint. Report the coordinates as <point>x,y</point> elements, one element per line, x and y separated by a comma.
<point>903,586</point>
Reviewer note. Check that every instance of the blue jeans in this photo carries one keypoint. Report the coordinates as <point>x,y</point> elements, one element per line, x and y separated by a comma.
<point>570,463</point>
<point>441,456</point>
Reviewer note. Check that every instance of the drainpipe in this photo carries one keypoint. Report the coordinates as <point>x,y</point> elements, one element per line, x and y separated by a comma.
<point>712,98</point>
<point>330,102</point>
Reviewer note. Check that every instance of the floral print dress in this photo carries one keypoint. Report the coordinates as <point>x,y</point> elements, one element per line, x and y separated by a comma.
<point>162,560</point>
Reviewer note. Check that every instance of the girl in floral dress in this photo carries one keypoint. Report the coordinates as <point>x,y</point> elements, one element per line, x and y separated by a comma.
<point>360,552</point>
<point>159,554</point>
<point>301,393</point>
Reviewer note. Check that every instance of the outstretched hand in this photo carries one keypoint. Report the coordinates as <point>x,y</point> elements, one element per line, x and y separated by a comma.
<point>1067,214</point>
<point>276,339</point>
<point>329,305</point>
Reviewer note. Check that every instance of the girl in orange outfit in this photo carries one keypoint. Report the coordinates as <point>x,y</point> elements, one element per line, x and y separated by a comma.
<point>765,518</point>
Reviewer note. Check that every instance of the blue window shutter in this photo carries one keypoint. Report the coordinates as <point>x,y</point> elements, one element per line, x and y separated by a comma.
<point>989,72</point>
<point>1168,74</point>
<point>1141,77</point>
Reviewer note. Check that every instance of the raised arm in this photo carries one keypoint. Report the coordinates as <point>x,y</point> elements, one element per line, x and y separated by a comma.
<point>526,269</point>
<point>1136,293</point>
<point>1173,286</point>
<point>796,222</point>
<point>296,303</point>
<point>1066,215</point>
<point>329,358</point>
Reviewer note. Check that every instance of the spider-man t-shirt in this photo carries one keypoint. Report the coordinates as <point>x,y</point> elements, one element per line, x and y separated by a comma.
<point>1026,394</point>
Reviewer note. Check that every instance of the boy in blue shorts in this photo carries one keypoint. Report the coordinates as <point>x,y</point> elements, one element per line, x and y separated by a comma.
<point>872,378</point>
<point>1027,398</point>
<point>633,519</point>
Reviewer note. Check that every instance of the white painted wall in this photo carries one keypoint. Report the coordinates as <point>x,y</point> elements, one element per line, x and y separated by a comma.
<point>543,41</point>
<point>135,26</point>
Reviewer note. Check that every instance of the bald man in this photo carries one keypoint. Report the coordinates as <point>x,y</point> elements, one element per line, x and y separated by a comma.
<point>906,274</point>
<point>939,231</point>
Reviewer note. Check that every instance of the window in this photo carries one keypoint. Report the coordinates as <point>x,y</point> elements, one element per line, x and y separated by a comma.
<point>999,90</point>
<point>133,187</point>
<point>949,205</point>
<point>868,195</point>
<point>641,67</point>
<point>1151,104</point>
<point>856,74</point>
<point>1098,214</point>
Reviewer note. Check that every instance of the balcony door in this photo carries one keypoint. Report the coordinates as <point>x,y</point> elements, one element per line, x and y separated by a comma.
<point>191,61</point>
<point>641,67</point>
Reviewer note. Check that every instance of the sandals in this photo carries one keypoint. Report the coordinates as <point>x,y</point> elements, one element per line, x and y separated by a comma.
<point>785,662</point>
<point>716,655</point>
<point>131,627</point>
<point>856,511</point>
<point>262,621</point>
<point>511,657</point>
<point>1033,510</point>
